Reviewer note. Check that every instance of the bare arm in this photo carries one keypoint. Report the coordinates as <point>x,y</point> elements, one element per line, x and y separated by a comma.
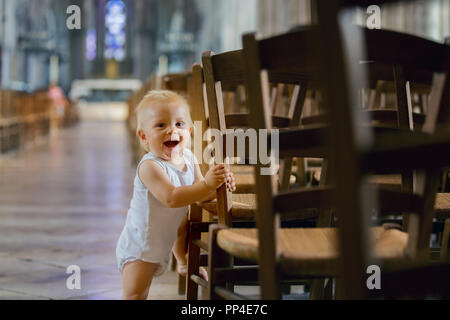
<point>198,177</point>
<point>159,184</point>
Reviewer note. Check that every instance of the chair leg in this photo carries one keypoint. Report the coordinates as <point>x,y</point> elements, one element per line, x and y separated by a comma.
<point>317,291</point>
<point>325,219</point>
<point>173,264</point>
<point>445,239</point>
<point>181,279</point>
<point>329,289</point>
<point>181,285</point>
<point>444,180</point>
<point>285,289</point>
<point>216,258</point>
<point>193,254</point>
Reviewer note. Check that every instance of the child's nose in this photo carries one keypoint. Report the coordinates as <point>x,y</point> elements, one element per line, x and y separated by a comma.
<point>172,129</point>
<point>174,136</point>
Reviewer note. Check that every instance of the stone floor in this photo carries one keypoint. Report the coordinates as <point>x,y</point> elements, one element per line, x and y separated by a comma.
<point>63,202</point>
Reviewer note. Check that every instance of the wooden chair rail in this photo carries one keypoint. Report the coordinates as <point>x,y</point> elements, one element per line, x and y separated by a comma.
<point>413,280</point>
<point>247,274</point>
<point>407,151</point>
<point>390,201</point>
<point>398,48</point>
<point>384,115</point>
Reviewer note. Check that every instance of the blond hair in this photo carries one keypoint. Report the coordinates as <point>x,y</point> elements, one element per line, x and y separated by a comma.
<point>157,96</point>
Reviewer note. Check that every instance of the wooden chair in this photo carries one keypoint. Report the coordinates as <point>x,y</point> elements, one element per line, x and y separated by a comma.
<point>190,85</point>
<point>308,252</point>
<point>9,123</point>
<point>225,69</point>
<point>215,84</point>
<point>397,151</point>
<point>24,117</point>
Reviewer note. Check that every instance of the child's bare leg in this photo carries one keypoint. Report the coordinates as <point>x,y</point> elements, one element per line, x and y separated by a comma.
<point>180,246</point>
<point>136,279</point>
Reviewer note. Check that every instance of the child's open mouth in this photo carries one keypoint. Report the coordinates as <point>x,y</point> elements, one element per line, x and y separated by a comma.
<point>171,143</point>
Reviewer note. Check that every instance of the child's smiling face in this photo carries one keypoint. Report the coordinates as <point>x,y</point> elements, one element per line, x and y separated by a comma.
<point>167,128</point>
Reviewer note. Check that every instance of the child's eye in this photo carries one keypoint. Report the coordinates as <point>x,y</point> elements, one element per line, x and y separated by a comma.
<point>180,124</point>
<point>160,125</point>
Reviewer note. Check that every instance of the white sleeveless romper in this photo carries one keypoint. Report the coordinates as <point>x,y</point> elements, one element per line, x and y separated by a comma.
<point>151,228</point>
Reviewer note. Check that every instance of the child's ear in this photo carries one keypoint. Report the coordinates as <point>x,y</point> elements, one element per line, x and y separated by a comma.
<point>141,134</point>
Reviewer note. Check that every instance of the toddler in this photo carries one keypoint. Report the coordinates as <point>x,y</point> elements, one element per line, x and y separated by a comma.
<point>168,179</point>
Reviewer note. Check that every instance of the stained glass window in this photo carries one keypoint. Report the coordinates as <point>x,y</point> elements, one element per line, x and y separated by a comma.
<point>115,21</point>
<point>91,47</point>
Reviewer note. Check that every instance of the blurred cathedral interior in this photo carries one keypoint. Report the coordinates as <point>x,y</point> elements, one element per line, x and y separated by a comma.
<point>72,72</point>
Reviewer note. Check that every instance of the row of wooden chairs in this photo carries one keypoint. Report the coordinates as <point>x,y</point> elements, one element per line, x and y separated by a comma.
<point>23,117</point>
<point>358,139</point>
<point>308,252</point>
<point>402,150</point>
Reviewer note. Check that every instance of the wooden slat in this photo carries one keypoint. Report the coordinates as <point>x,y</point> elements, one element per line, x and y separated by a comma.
<point>276,54</point>
<point>407,150</point>
<point>404,49</point>
<point>304,198</point>
<point>400,48</point>
<point>391,115</point>
<point>248,274</point>
<point>390,201</point>
<point>198,113</point>
<point>201,244</point>
<point>228,68</point>
<point>384,115</point>
<point>176,81</point>
<point>417,280</point>
<point>217,121</point>
<point>200,281</point>
<point>311,140</point>
<point>200,226</point>
<point>303,142</point>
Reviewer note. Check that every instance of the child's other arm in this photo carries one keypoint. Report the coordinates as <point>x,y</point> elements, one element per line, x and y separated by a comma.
<point>159,184</point>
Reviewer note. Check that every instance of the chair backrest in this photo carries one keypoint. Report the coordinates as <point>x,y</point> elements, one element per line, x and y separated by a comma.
<point>176,81</point>
<point>223,72</point>
<point>195,89</point>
